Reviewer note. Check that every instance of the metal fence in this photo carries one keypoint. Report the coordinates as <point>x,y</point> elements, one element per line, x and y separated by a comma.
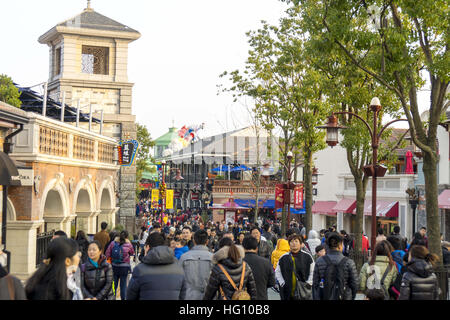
<point>42,241</point>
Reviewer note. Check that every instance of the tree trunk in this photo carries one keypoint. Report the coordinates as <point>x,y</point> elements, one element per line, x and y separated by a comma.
<point>431,189</point>
<point>359,219</point>
<point>308,191</point>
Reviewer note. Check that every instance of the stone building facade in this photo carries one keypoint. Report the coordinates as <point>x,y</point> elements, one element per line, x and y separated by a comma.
<point>88,59</point>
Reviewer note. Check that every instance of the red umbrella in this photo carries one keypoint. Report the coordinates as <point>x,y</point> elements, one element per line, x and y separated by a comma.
<point>409,165</point>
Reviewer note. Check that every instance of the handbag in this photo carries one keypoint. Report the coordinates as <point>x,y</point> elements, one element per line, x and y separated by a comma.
<point>302,290</point>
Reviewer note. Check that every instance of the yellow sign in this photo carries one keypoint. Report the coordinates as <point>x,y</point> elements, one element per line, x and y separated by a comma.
<point>169,199</point>
<point>155,198</point>
<point>165,219</point>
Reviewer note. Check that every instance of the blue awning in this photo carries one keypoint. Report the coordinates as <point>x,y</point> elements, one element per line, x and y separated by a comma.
<point>295,211</point>
<point>251,203</point>
<point>223,168</point>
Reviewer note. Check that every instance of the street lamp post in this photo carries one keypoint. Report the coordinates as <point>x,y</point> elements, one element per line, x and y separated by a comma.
<point>373,170</point>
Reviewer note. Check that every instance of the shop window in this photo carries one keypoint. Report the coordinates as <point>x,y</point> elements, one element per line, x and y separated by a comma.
<point>95,60</point>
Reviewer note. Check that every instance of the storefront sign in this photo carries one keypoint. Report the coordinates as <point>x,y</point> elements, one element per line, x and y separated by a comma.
<point>177,194</point>
<point>26,177</point>
<point>298,197</point>
<point>127,152</point>
<point>194,196</point>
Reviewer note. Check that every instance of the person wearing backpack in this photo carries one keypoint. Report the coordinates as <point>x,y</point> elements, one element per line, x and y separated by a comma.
<point>335,276</point>
<point>96,275</point>
<point>295,270</point>
<point>120,251</point>
<point>231,278</point>
<point>380,272</point>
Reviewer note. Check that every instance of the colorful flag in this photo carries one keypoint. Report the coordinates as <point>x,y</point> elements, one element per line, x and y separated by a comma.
<point>169,199</point>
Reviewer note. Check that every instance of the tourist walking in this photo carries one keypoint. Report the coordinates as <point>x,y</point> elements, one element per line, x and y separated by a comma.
<point>228,274</point>
<point>281,249</point>
<point>197,264</point>
<point>159,276</point>
<point>102,236</point>
<point>264,249</point>
<point>419,281</point>
<point>97,275</point>
<point>54,279</point>
<point>83,244</point>
<point>380,272</point>
<point>120,251</point>
<point>313,241</point>
<point>262,269</point>
<point>335,276</point>
<point>294,272</point>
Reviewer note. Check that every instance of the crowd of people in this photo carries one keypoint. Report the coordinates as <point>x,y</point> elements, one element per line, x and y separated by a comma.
<point>182,257</point>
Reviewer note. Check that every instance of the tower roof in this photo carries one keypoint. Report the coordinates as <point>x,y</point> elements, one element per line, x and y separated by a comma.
<point>166,138</point>
<point>90,22</point>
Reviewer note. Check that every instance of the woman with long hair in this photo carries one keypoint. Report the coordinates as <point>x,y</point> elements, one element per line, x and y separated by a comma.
<point>96,275</point>
<point>419,281</point>
<point>229,263</point>
<point>54,280</point>
<point>380,272</point>
<point>120,251</point>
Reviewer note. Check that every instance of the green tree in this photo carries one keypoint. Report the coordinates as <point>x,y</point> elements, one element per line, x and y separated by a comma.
<point>9,92</point>
<point>287,94</point>
<point>397,43</point>
<point>143,158</point>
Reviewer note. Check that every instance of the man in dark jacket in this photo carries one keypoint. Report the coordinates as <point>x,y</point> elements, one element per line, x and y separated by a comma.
<point>159,276</point>
<point>264,249</point>
<point>351,280</point>
<point>269,235</point>
<point>261,268</point>
<point>396,234</point>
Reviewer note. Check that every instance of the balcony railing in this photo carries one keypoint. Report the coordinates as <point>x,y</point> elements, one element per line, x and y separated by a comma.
<point>243,187</point>
<point>45,138</point>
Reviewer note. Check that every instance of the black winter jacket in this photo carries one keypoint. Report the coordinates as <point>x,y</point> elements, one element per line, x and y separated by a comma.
<point>419,282</point>
<point>218,278</point>
<point>158,277</point>
<point>445,256</point>
<point>262,273</point>
<point>97,282</point>
<point>350,275</point>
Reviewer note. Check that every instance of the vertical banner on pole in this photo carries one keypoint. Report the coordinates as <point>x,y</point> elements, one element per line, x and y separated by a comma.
<point>298,197</point>
<point>155,198</point>
<point>279,196</point>
<point>169,199</point>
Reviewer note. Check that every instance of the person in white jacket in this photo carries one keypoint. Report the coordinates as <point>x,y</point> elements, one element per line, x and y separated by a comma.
<point>313,241</point>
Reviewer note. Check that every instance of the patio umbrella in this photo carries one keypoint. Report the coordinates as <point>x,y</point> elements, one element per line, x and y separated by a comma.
<point>409,165</point>
<point>241,168</point>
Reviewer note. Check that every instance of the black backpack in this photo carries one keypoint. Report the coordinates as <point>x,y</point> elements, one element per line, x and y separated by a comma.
<point>333,282</point>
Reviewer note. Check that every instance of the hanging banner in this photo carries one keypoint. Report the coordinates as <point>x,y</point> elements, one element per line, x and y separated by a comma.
<point>298,197</point>
<point>279,196</point>
<point>155,198</point>
<point>169,199</point>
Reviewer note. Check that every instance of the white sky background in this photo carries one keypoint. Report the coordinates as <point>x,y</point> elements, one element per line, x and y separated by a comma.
<point>175,65</point>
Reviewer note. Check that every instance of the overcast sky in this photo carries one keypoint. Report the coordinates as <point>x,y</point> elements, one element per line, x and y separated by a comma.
<point>175,65</point>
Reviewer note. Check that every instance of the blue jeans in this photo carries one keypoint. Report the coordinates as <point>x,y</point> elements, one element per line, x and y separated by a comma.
<point>121,274</point>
